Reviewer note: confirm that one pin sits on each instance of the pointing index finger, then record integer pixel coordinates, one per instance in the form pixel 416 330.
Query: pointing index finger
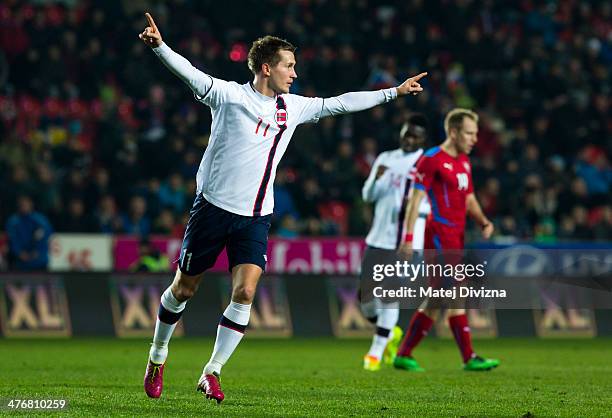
pixel 151 22
pixel 418 77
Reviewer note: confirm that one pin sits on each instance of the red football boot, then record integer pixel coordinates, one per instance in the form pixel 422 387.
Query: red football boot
pixel 154 379
pixel 210 387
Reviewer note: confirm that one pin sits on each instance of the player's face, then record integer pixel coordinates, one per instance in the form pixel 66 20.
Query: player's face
pixel 412 137
pixel 466 137
pixel 283 73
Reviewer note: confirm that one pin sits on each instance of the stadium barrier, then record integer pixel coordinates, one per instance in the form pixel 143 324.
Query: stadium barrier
pixel 125 305
pixel 310 289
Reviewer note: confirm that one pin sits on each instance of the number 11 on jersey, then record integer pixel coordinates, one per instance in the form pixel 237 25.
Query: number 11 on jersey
pixel 259 124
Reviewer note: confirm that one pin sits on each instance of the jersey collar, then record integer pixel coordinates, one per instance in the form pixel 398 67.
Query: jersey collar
pixel 262 96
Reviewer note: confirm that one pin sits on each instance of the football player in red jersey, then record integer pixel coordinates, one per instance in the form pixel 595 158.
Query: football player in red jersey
pixel 444 174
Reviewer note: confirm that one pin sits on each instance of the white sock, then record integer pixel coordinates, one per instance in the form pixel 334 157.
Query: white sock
pixel 388 315
pixel 227 338
pixel 163 331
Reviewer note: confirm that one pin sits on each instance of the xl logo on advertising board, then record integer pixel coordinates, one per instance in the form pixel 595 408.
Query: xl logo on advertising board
pixel 135 302
pixel 270 315
pixel 345 311
pixel 34 306
pixel 555 321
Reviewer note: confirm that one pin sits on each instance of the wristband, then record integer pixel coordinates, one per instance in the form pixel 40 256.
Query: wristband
pixel 408 238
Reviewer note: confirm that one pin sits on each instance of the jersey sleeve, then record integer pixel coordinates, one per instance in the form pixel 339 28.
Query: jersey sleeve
pixel 305 109
pixel 356 101
pixel 219 92
pixel 373 187
pixel 207 89
pixel 425 172
pixel 311 109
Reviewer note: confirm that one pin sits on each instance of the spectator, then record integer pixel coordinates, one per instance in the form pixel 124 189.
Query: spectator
pixel 152 196
pixel 106 216
pixel 489 196
pixel 581 227
pixel 49 196
pixel 73 115
pixel 150 259
pixel 21 183
pixel 76 218
pixel 172 193
pixel 28 235
pixel 283 201
pixel 136 221
pixel 310 198
pixel 366 157
pixel 545 231
pixel 576 195
pixel 100 186
pixel 567 229
pixel 593 168
pixel 603 231
pixel 288 227
pixel 165 223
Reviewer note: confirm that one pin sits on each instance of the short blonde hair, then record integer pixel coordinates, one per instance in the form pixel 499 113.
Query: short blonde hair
pixel 454 118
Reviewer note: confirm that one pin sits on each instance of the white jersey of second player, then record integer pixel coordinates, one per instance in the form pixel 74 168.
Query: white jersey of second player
pixel 250 133
pixel 389 193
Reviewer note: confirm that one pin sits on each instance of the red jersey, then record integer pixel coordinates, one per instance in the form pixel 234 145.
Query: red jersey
pixel 447 182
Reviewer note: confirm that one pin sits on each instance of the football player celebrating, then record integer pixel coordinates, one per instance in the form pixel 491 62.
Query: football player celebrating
pixel 251 129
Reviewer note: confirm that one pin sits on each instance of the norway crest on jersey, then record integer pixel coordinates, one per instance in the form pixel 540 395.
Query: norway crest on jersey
pixel 281 116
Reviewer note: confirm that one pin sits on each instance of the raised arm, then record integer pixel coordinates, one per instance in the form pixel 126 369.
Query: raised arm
pixel 198 81
pixel 362 100
pixel 372 187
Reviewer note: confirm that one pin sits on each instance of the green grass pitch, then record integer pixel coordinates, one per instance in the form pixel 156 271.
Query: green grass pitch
pixel 312 377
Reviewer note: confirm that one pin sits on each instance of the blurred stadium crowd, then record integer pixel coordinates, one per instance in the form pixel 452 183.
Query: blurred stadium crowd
pixel 103 138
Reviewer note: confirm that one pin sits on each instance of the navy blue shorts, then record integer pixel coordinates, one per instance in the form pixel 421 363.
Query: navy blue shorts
pixel 211 228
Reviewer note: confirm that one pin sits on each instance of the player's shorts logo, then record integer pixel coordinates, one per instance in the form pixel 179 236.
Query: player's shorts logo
pixel 281 116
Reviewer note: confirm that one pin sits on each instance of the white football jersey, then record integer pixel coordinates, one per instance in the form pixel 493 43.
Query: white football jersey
pixel 250 133
pixel 389 193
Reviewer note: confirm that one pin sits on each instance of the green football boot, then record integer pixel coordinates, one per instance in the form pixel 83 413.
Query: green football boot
pixel 407 363
pixel 391 348
pixel 479 364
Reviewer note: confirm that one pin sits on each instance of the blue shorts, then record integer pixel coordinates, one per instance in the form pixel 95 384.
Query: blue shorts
pixel 211 228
